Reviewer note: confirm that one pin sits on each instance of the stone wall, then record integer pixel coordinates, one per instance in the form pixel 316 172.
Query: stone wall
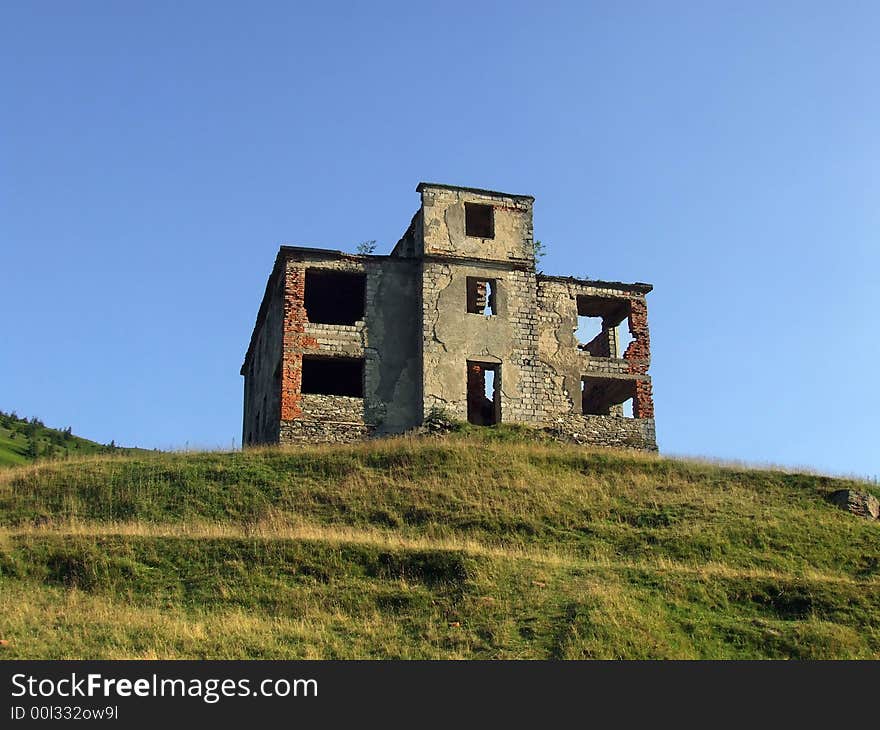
pixel 632 433
pixel 327 419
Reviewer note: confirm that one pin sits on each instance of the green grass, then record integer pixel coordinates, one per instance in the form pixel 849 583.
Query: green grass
pixel 480 544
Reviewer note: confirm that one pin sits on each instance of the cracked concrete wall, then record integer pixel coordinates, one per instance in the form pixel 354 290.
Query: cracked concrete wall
pixel 386 338
pixel 452 336
pixel 443 221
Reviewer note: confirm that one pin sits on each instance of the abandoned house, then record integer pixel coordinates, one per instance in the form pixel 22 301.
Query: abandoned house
pixel 455 321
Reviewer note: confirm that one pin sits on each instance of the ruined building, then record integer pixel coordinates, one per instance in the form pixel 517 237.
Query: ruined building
pixel 455 322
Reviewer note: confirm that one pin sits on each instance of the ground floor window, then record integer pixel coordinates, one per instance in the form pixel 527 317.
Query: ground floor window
pixel 333 375
pixel 607 396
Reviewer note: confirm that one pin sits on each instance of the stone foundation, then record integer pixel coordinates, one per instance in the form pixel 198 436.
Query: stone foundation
pixel 335 419
pixel 631 433
pixel 322 432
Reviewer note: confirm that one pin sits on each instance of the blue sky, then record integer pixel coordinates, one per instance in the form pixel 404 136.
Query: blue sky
pixel 153 155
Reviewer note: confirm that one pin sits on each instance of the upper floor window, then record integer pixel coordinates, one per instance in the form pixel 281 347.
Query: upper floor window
pixel 334 297
pixel 481 297
pixel 599 329
pixel 479 220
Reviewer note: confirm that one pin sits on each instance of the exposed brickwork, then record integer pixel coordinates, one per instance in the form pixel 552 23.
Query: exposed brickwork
pixel 425 317
pixel 296 342
pixel 638 352
pixel 643 407
pixel 638 358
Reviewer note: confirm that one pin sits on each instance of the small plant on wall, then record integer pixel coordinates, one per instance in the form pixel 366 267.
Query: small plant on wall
pixel 540 251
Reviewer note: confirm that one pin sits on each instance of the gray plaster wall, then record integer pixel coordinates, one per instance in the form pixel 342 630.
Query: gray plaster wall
pixel 261 370
pixel 394 324
pixel 443 225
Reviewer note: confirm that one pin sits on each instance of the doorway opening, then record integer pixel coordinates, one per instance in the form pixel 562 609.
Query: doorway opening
pixel 483 393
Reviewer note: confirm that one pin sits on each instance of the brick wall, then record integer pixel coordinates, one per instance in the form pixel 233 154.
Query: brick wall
pixel 638 358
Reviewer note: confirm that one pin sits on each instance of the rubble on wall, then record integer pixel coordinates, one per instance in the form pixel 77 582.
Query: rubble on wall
pixel 632 433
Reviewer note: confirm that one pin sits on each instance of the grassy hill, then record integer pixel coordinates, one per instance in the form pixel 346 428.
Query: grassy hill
pixel 25 440
pixel 477 545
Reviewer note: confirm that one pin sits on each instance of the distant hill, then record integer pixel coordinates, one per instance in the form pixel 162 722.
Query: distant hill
pixel 482 544
pixel 24 440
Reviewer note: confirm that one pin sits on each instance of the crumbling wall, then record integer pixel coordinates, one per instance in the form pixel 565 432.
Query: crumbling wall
pixel 566 362
pixel 295 340
pixel 385 339
pixel 602 345
pixel 617 431
pixel 411 243
pixel 638 358
pixel 563 363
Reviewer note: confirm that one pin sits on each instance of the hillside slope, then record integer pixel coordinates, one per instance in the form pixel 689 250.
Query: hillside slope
pixel 467 546
pixel 25 440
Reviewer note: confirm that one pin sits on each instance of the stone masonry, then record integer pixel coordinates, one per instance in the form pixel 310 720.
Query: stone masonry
pixel 456 322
